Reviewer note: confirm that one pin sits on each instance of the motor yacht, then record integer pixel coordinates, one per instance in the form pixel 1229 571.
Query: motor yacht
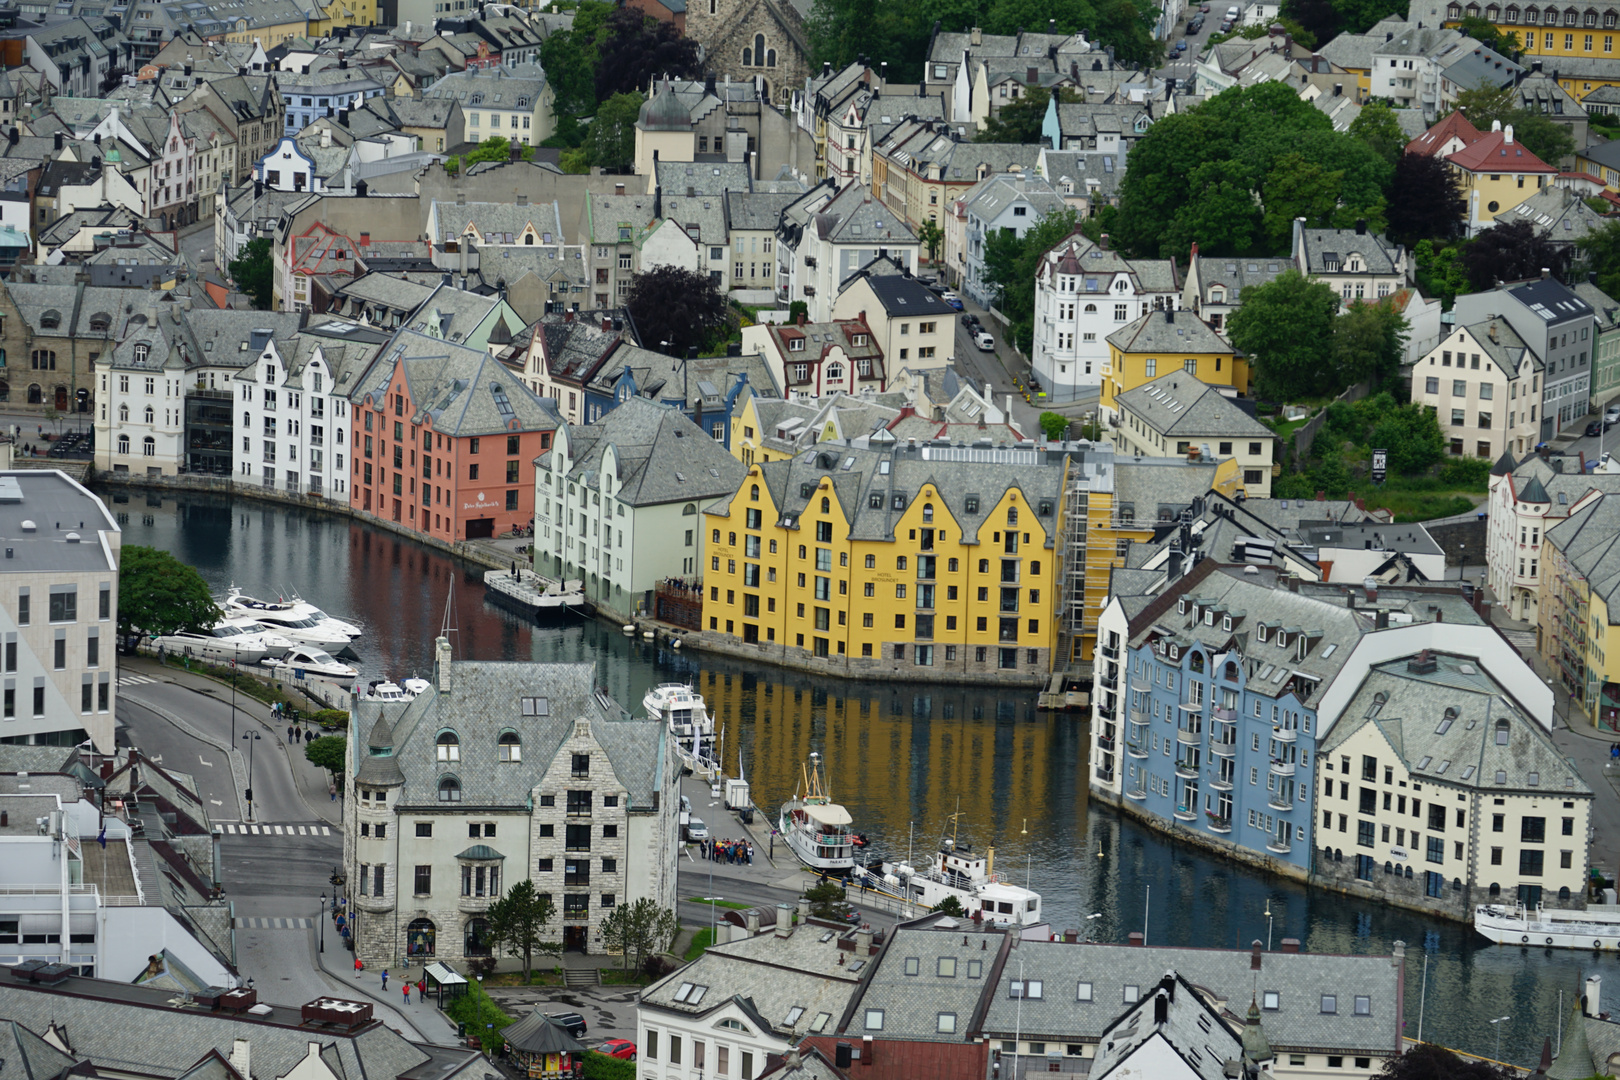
pixel 313 663
pixel 242 640
pixel 816 828
pixel 295 619
pixel 400 693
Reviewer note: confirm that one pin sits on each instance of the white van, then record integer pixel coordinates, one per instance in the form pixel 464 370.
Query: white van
pixel 984 341
pixel 1234 13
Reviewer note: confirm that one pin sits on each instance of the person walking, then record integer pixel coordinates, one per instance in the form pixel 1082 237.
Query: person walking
pixel 406 988
pixel 289 733
pixel 357 966
pixel 385 978
pixel 421 990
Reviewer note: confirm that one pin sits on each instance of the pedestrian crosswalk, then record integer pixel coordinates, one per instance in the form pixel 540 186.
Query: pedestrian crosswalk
pixel 1523 640
pixel 238 829
pixel 265 922
pixel 135 680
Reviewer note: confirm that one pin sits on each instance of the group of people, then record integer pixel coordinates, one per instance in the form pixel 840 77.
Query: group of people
pixel 737 852
pixel 405 987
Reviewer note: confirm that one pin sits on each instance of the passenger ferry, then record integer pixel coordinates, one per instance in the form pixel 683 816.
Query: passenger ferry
pixel 957 871
pixel 1596 927
pixel 682 710
pixel 815 828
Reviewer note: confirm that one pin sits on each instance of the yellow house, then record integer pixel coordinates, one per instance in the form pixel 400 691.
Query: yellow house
pixel 1164 341
pixel 1497 173
pixel 1579 45
pixel 1601 160
pixel 887 561
pixel 1574 616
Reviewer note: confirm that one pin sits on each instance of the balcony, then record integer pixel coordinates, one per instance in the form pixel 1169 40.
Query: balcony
pixel 1220 824
pixel 1191 706
pixel 1193 736
pixel 1278 800
pixel 1186 768
pixel 1223 713
pixel 1108 683
pixel 1136 748
pixel 1140 717
pixel 1226 747
pixel 1282 768
pixel 1110 651
pixel 1140 687
pixel 1185 814
pixel 1139 794
pixel 1279 847
pixel 1284 734
pixel 1105 712
pixel 1105 775
pixel 1105 743
pixel 1221 783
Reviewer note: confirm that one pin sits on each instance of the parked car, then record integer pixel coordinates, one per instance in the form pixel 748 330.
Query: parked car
pixel 1611 413
pixel 1196 25
pixel 1179 47
pixel 696 830
pixel 623 1049
pixel 1234 13
pixel 1226 25
pixel 952 299
pixel 969 319
pixel 1595 428
pixel 574 1022
pixel 984 341
pixel 1203 9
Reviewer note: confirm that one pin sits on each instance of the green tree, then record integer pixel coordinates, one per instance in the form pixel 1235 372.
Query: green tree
pixel 639 930
pixel 1010 264
pixel 1485 105
pixel 253 271
pixel 1380 130
pixel 1054 425
pixel 1427 1061
pixel 518 922
pixel 569 61
pixel 1425 202
pixel 1440 273
pixel 633 49
pixel 1020 121
pixel 496 148
pixel 1283 326
pixel 1543 136
pixel 1410 433
pixel 1600 249
pixel 932 237
pixel 1298 188
pixel 1369 342
pixel 827 901
pixel 160 595
pixel 951 905
pixel 327 752
pixel 613 132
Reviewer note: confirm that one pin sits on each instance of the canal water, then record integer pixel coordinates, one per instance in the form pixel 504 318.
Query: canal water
pixel 903 759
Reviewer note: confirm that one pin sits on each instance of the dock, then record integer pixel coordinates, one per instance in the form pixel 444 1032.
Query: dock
pixel 534 595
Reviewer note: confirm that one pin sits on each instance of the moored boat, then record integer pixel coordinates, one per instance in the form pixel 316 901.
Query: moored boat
pixel 1595 927
pixel 238 639
pixel 295 619
pixel 815 828
pixel 958 872
pixel 388 690
pixel 691 728
pixel 537 597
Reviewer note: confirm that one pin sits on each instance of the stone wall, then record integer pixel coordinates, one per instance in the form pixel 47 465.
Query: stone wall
pixel 962 670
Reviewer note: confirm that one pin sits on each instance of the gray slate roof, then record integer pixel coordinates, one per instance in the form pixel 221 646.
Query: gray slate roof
pixel 663 456
pixel 1179 406
pixel 463 390
pixel 1161 332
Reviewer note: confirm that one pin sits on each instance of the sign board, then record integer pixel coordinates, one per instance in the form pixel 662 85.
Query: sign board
pixel 1380 459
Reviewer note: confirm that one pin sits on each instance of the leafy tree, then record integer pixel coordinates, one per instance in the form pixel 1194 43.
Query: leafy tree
pixel 327 752
pixel 1282 326
pixel 253 271
pixel 1054 425
pixel 1440 273
pixel 1377 127
pixel 951 905
pixel 1485 105
pixel 1328 18
pixel 1410 433
pixel 1369 342
pixel 1543 136
pixel 569 61
pixel 932 237
pixel 633 49
pixel 1425 202
pixel 1428 1061
pixel 496 148
pixel 160 595
pixel 1511 252
pixel 613 132
pixel 1487 35
pixel 1009 267
pixel 1297 188
pixel 639 930
pixel 681 307
pixel 1600 249
pixel 827 901
pixel 576 161
pixel 518 922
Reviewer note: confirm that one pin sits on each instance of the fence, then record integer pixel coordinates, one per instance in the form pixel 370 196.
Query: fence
pixel 1305 434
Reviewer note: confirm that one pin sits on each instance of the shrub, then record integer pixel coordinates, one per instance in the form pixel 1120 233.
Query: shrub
pixel 1465 472
pixel 483 1017
pixel 331 718
pixel 602 1067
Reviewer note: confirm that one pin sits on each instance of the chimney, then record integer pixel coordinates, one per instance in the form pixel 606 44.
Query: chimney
pixel 751 920
pixel 1361 226
pixel 1492 332
pixel 441 651
pixel 975 37
pixel 1290 945
pixel 867 1050
pixel 241 1057
pixel 607 324
pixel 568 315
pixel 843 1055
pixel 1071 936
pixel 1138 938
pixel 1338 89
pixel 1545 273
pixel 1254 956
pixel 1161 1008
pixel 1293 583
pixel 1507 135
pixel 784 920
pixel 804 909
pixel 801 318
pixel 1102 241
pixel 863 940
pixel 59 140
pixel 1051 26
pixel 1381 620
pixel 618 189
pixel 1594 995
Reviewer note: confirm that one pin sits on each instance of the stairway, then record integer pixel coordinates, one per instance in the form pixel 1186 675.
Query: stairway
pixel 580 976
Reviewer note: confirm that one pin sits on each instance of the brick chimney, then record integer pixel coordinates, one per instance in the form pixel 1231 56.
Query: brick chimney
pixel 1254 956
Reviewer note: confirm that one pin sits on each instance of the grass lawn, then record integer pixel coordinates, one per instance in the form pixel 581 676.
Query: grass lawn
pixel 700 942
pixel 1421 505
pixel 515 978
pixel 719 903
pixel 1285 428
pixel 621 977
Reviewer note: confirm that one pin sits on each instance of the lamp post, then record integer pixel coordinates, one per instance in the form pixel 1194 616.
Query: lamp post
pixel 250 737
pixel 712 900
pixel 1268 924
pixel 320 917
pixel 1497 1024
pixel 233 701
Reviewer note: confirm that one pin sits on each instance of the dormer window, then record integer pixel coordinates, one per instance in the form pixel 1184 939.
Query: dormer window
pixel 510 747
pixel 796 344
pixel 449 747
pixel 142 351
pixel 1263 632
pixel 449 789
pixel 860 339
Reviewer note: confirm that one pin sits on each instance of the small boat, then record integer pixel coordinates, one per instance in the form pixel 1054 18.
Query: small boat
pixel 958 872
pixel 387 690
pixel 314 663
pixel 816 828
pixel 242 640
pixel 292 618
pixel 684 713
pixel 1595 927
pixel 537 597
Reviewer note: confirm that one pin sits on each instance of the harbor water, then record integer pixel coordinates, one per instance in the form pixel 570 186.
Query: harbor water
pixel 903 759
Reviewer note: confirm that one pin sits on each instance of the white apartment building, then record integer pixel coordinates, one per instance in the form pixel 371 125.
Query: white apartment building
pixel 1083 293
pixel 826 236
pixel 1526 502
pixel 1484 384
pixel 58 612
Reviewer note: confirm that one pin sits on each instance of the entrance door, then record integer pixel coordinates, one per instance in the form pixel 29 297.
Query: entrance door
pixel 61 399
pixel 574 938
pixel 480 528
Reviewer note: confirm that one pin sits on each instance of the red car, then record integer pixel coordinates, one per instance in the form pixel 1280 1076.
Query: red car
pixel 618 1048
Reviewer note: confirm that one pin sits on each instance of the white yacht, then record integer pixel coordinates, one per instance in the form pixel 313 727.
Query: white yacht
pixel 958 872
pixel 1595 927
pixel 816 828
pixel 314 663
pixel 683 711
pixel 293 618
pixel 242 640
pixel 387 690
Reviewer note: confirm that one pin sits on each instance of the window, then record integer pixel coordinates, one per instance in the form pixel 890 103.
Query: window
pixel 424 881
pixel 449 789
pixel 1363 1005
pixel 874 1019
pixel 449 747
pixel 1030 989
pixel 1330 1003
pixel 424 828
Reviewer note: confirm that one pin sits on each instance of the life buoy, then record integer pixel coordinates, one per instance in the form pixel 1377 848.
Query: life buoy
pixel 1549 941
pixel 1524 939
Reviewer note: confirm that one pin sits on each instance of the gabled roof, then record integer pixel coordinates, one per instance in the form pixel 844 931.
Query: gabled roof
pixel 1495 153
pixel 1455 126
pixel 1161 332
pixel 662 456
pixel 1180 406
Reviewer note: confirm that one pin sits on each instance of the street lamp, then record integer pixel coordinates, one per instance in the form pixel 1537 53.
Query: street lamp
pixel 711 901
pixel 1497 1024
pixel 1268 924
pixel 233 700
pixel 320 917
pixel 250 737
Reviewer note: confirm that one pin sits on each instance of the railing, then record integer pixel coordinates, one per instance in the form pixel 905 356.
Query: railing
pixel 1190 736
pixel 1282 768
pixel 1110 651
pixel 1223 747
pixel 1140 717
pixel 1139 794
pixel 1106 775
pixel 1279 801
pixel 1185 814
pixel 1105 743
pixel 1286 734
pixel 1136 749
pixel 1220 824
pixel 1223 713
pixel 1186 768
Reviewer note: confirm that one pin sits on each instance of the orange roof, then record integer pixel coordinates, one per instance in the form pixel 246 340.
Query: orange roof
pixel 1454 125
pixel 1493 153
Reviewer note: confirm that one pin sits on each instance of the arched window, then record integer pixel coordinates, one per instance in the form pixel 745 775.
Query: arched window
pixel 123 413
pixel 5 390
pixel 835 372
pixel 421 938
pixel 449 789
pixel 1012 517
pixel 748 58
pixel 928 513
pixel 477 941
pixel 1231 673
pixel 149 414
pixel 511 747
pixel 1091 309
pixel 1408 873
pixel 801 551
pixel 449 746
pixel 149 446
pixel 753 493
pixel 1196 662
pixel 759 49
pixel 34 395
pixel 123 444
pixel 826 505
pixel 142 351
pixel 770 58
pixel 689 510
pixel 1563 894
pixel 1217 295
pixel 528 239
pixel 1495 890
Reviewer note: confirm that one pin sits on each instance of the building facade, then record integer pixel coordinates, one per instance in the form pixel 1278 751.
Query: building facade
pixel 1484 385
pixel 1557 326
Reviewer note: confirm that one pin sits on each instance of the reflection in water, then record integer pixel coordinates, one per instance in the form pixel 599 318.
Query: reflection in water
pixel 902 759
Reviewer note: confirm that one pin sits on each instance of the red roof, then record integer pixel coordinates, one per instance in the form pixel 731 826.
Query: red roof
pixel 1493 153
pixel 897 1059
pixel 1432 140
